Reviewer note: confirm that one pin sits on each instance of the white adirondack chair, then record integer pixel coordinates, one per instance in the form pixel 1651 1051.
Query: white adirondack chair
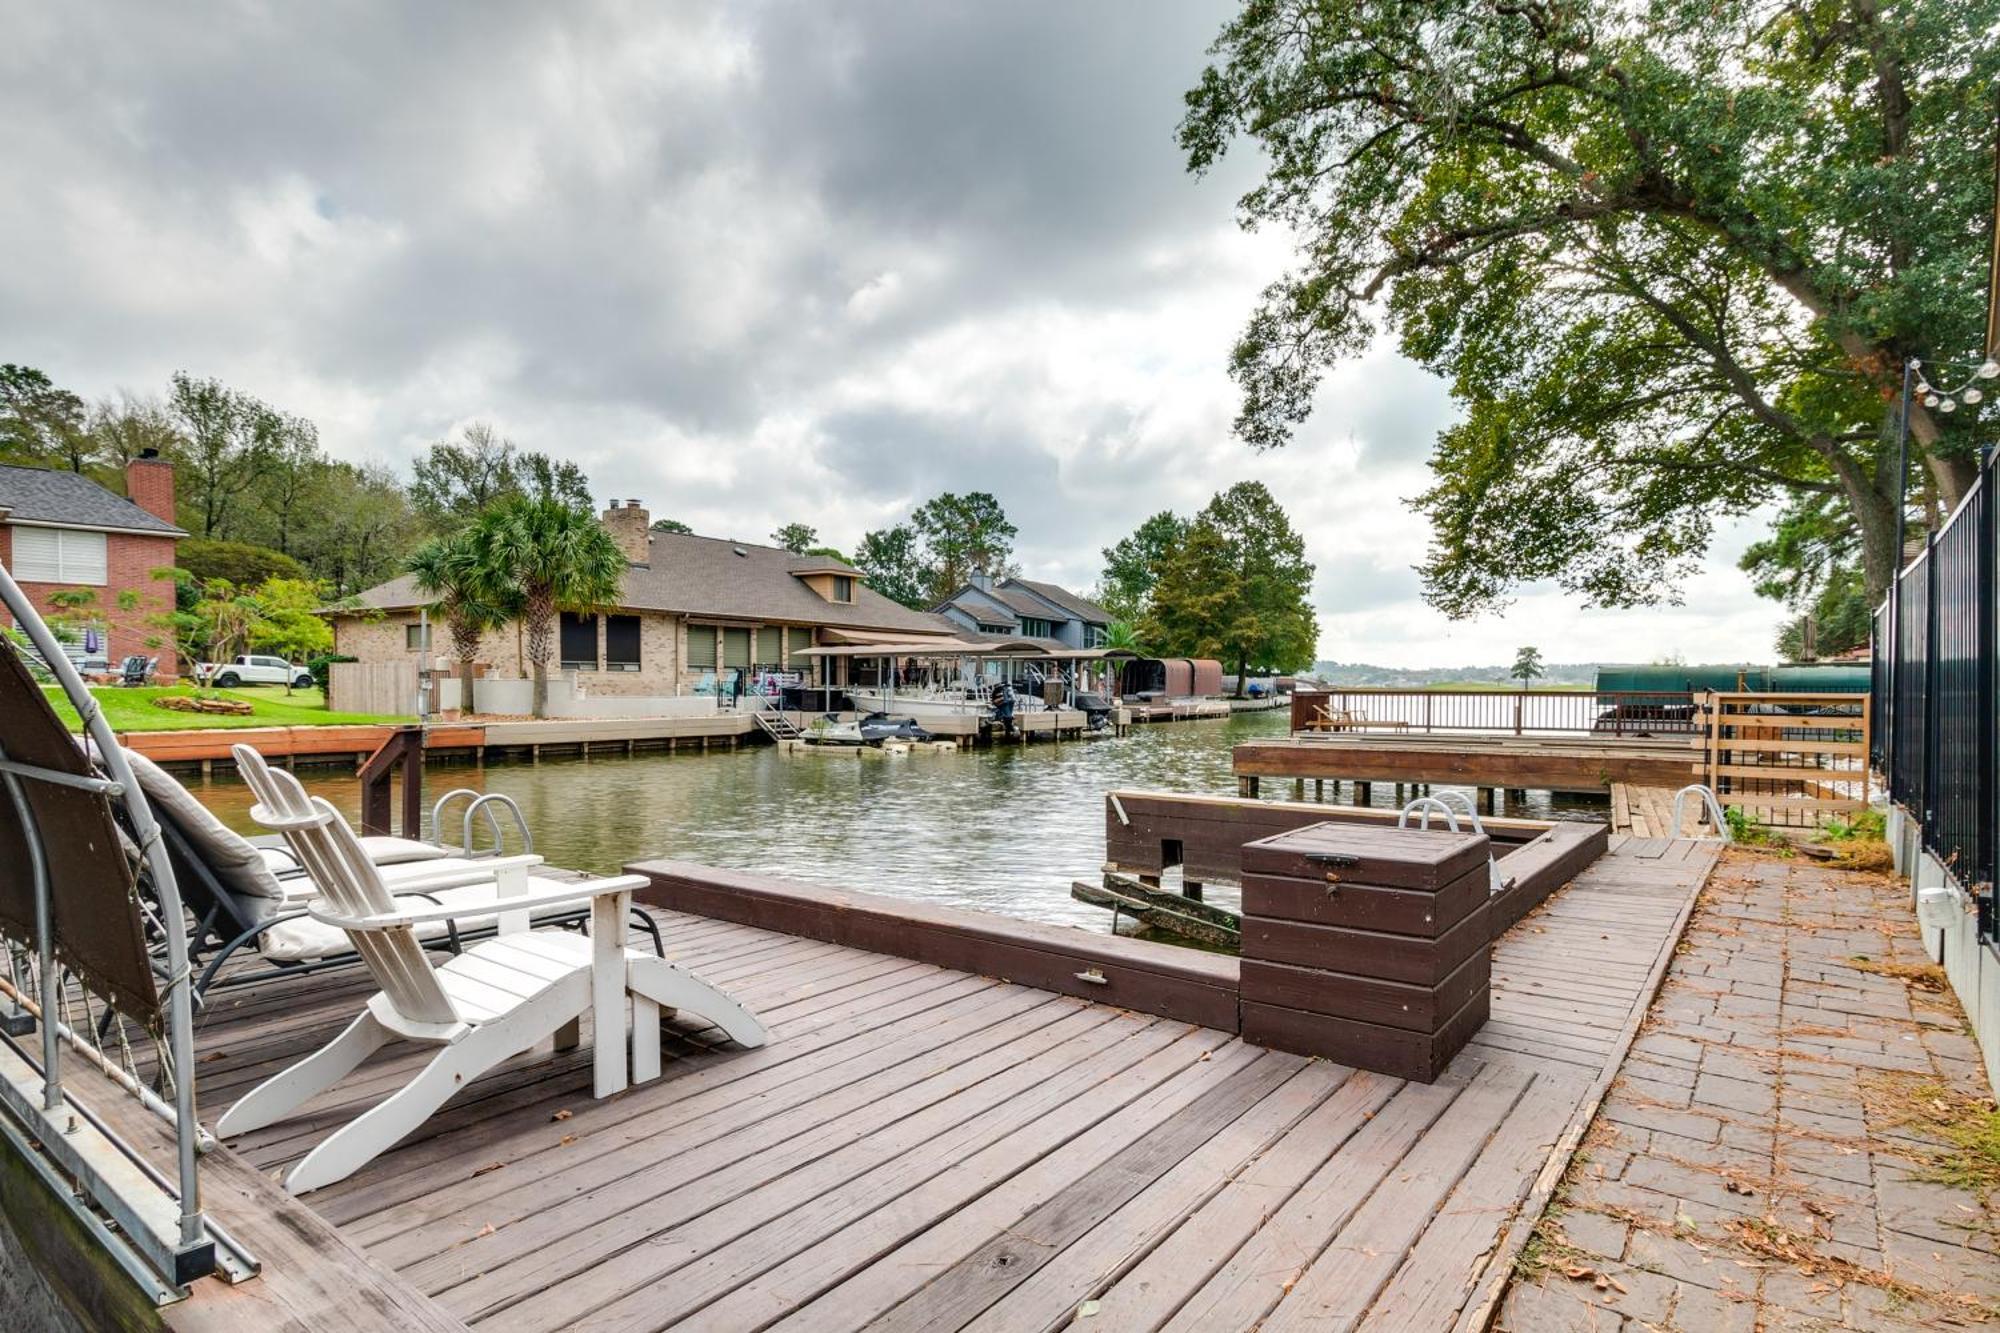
pixel 494 1001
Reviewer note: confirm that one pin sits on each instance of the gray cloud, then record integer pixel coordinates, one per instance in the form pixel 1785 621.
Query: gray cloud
pixel 752 263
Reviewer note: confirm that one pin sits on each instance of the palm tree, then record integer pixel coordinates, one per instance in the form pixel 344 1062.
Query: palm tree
pixel 447 569
pixel 1122 635
pixel 543 556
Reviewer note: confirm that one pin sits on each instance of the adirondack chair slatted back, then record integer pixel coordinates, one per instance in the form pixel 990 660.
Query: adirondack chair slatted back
pixel 333 856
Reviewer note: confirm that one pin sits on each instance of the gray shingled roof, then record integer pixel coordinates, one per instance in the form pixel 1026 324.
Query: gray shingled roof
pixel 705 576
pixel 980 605
pixel 1023 602
pixel 1080 607
pixel 44 495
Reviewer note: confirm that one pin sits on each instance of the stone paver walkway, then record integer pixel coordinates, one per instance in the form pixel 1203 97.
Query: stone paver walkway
pixel 1762 1161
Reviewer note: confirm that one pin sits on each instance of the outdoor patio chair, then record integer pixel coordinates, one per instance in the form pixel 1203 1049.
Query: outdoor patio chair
pixel 247 897
pixel 137 669
pixel 496 1000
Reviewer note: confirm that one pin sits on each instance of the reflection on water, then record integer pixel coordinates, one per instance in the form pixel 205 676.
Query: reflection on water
pixel 1004 829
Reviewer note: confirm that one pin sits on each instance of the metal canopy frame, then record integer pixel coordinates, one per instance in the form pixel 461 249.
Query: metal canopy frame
pixel 159 1233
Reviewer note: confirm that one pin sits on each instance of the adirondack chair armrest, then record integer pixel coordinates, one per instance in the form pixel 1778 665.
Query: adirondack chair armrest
pixel 556 896
pixel 461 877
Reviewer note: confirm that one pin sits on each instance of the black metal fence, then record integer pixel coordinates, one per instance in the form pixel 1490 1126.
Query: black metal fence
pixel 1933 693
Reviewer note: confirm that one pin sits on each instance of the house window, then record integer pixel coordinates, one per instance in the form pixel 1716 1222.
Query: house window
pixel 579 642
pixel 58 555
pixel 736 647
pixel 1094 636
pixel 843 588
pixel 801 639
pixel 1037 629
pixel 621 643
pixel 417 638
pixel 701 648
pixel 769 649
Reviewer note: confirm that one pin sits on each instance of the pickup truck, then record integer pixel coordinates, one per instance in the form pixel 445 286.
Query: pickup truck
pixel 251 669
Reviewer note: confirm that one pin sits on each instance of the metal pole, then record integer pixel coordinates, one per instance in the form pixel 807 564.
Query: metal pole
pixel 45 939
pixel 1903 465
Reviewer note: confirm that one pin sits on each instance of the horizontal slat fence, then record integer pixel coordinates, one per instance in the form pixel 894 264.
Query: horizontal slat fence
pixel 1793 760
pixel 382 688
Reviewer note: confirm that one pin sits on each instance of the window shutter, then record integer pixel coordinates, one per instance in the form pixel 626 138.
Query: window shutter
pixel 736 647
pixel 38 555
pixel 701 648
pixel 769 640
pixel 801 638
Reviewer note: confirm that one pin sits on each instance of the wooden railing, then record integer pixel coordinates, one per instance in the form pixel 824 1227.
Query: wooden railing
pixel 404 748
pixel 1506 712
pixel 1787 759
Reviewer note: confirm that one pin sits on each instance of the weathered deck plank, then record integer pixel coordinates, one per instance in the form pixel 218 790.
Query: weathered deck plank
pixel 923 1147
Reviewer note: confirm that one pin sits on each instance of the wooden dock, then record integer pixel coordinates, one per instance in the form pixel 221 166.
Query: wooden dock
pixel 1539 763
pixel 1648 812
pixel 930 1147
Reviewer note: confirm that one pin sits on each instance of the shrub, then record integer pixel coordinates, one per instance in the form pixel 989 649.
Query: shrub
pixel 321 665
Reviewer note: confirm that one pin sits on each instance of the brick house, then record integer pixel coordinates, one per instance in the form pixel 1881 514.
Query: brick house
pixel 62 532
pixel 692 609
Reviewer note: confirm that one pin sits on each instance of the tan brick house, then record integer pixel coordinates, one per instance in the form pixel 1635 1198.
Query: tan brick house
pixel 692 607
pixel 62 532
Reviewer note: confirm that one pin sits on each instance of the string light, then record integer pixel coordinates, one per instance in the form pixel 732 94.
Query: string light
pixel 1949 400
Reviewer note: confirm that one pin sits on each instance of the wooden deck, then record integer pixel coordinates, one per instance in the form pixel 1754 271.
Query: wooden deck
pixel 1648 812
pixel 920 1147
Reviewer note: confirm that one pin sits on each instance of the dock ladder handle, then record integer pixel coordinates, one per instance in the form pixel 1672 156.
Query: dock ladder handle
pixel 438 809
pixel 1714 808
pixel 485 805
pixel 1494 883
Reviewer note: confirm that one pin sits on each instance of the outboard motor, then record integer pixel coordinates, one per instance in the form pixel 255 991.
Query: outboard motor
pixel 1096 710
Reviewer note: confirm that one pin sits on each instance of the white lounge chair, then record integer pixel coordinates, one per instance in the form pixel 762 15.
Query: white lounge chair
pixel 492 1002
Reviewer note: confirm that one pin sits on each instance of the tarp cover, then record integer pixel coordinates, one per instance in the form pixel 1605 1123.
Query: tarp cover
pixel 98 933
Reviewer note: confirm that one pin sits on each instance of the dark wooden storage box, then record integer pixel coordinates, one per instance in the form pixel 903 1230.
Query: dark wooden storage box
pixel 1367 945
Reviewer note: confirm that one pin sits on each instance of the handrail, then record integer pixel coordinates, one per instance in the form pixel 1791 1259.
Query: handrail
pixel 486 803
pixel 1425 803
pixel 436 824
pixel 1714 808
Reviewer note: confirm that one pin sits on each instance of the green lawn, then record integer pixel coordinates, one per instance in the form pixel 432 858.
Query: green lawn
pixel 133 710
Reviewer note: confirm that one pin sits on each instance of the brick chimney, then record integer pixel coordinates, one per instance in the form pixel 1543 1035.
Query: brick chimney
pixel 149 483
pixel 630 526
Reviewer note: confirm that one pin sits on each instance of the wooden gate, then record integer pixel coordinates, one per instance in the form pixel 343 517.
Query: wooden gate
pixel 1787 759
pixel 386 689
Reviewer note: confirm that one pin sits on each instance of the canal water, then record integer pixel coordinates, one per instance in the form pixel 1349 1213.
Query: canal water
pixel 1005 829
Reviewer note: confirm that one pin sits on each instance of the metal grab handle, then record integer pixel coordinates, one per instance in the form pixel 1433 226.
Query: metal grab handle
pixel 1494 883
pixel 1708 799
pixel 485 805
pixel 437 810
pixel 1427 804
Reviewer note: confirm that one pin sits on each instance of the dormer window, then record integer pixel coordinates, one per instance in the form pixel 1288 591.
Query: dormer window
pixel 843 587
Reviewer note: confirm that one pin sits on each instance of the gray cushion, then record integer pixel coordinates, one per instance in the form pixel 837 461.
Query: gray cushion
pixel 239 866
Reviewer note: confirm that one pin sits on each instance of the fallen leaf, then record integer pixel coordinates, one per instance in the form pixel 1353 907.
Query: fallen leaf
pixel 1087 1309
pixel 565 1140
pixel 490 1166
pixel 1577 1272
pixel 561 1115
pixel 486 1230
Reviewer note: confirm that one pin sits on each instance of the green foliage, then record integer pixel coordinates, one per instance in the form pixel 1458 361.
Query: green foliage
pixel 1869 825
pixel 288 623
pixel 891 560
pixel 228 437
pixel 241 563
pixel 321 666
pixel 1123 636
pixel 448 569
pixel 1132 565
pixel 1669 259
pixel 1746 829
pixel 457 481
pixel 1237 588
pixel 963 535
pixel 41 425
pixel 671 525
pixel 798 538
pixel 542 556
pixel 1527 665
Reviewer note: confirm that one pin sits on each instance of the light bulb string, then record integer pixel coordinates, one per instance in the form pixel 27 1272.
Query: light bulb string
pixel 1948 400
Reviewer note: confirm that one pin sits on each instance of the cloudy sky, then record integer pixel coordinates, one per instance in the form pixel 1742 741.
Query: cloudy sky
pixel 750 264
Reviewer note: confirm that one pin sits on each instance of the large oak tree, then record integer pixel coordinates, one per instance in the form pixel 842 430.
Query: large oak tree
pixel 1670 257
